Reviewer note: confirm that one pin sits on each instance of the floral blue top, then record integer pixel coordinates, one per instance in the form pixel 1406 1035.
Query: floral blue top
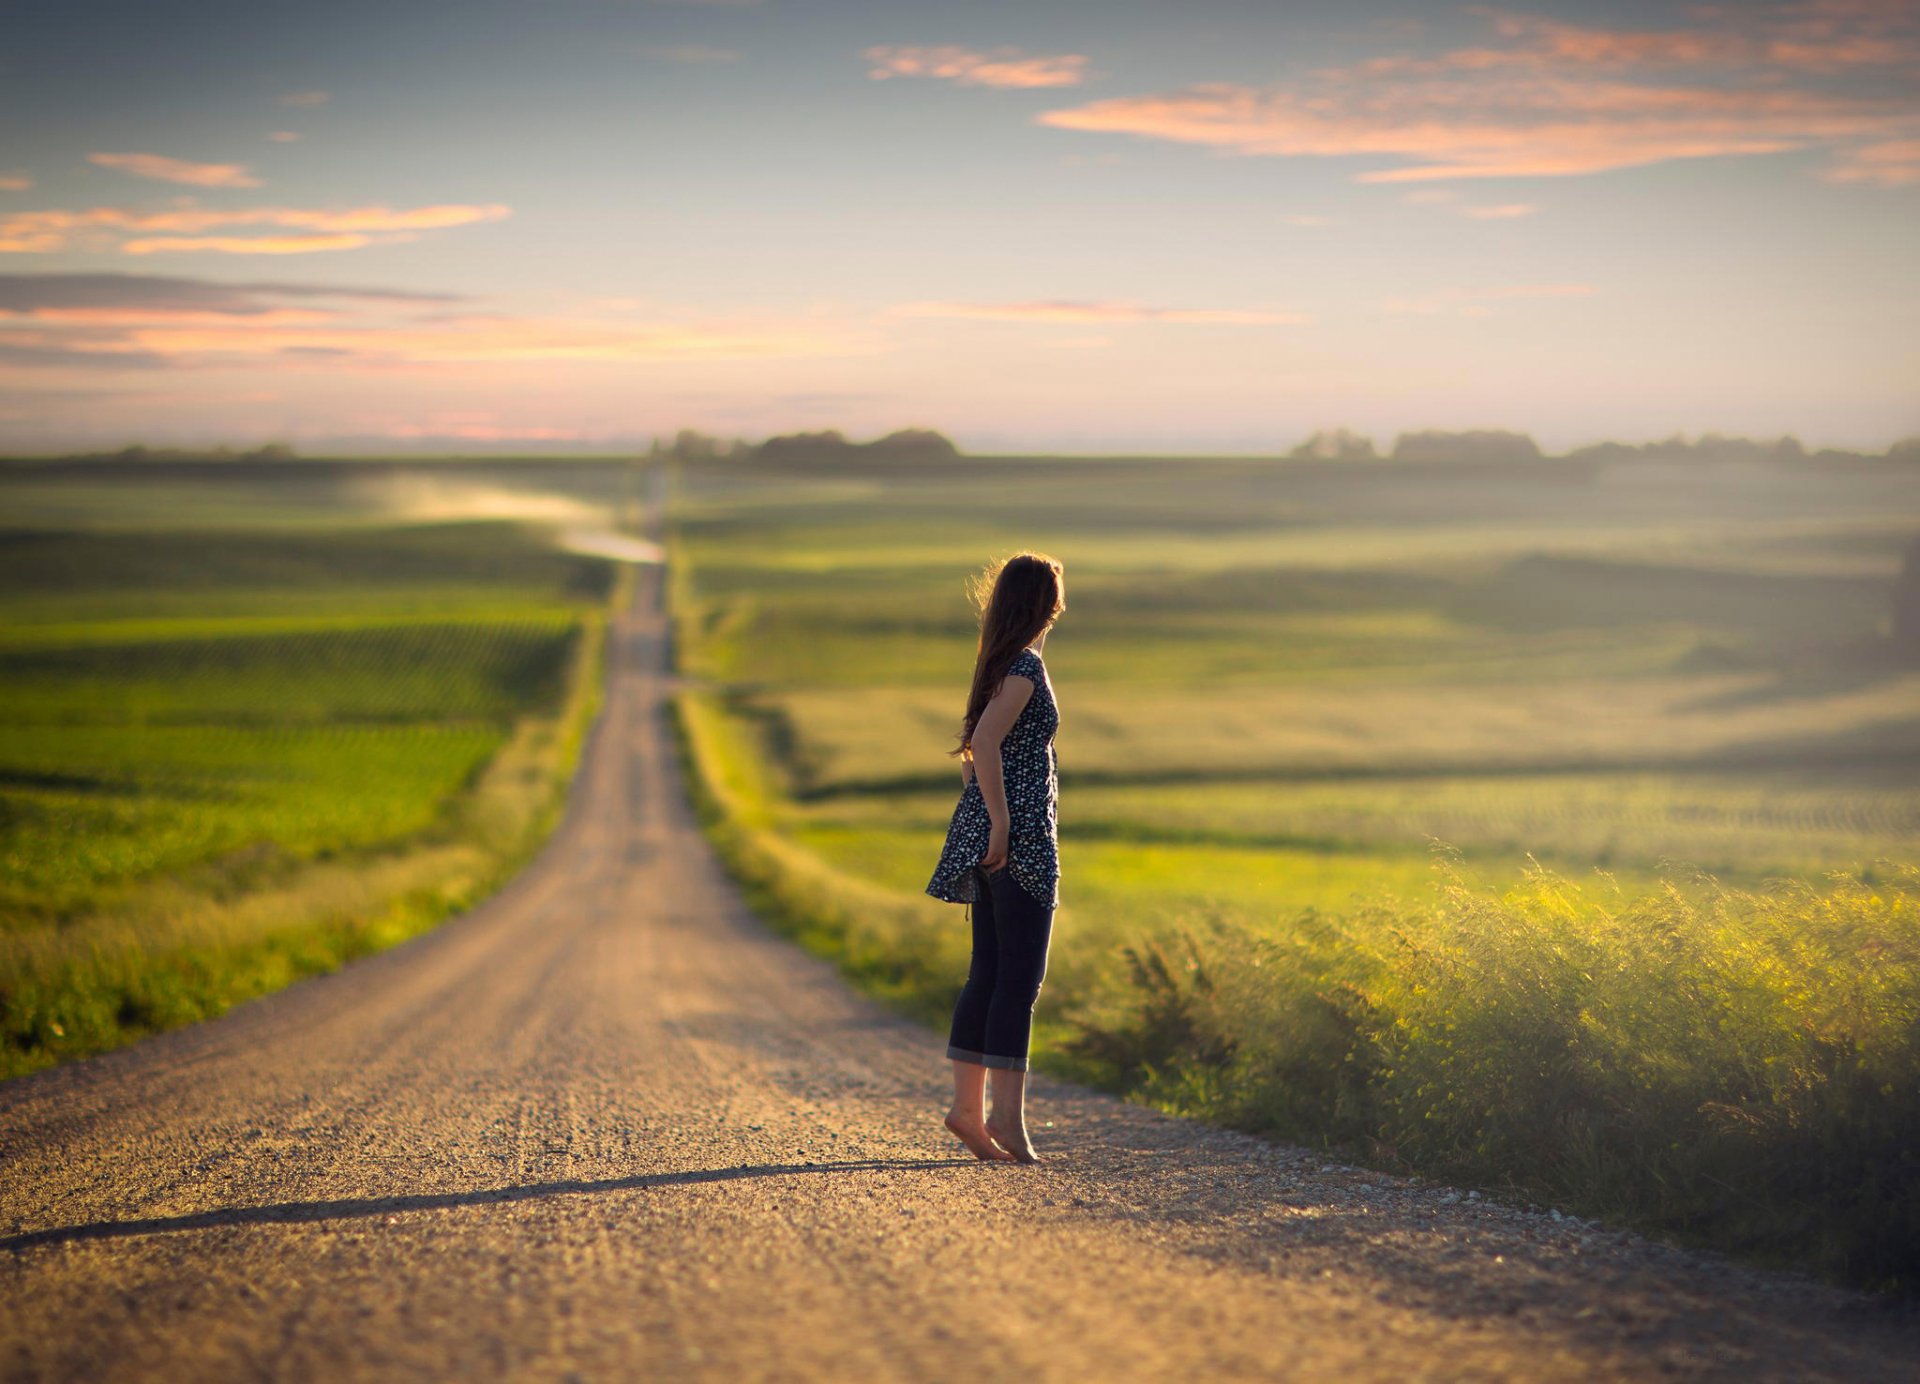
pixel 1032 778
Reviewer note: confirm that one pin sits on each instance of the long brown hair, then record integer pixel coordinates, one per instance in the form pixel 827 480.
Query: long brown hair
pixel 1019 597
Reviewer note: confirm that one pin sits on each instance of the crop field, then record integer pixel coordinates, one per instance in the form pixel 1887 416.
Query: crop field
pixel 1352 754
pixel 1591 700
pixel 239 743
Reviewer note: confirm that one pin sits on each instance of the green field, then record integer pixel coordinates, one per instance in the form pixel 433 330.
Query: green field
pixel 255 720
pixel 1547 827
pixel 1355 752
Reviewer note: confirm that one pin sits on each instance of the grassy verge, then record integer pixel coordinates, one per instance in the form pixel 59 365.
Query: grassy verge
pixel 879 938
pixel 1282 688
pixel 190 945
pixel 1738 1068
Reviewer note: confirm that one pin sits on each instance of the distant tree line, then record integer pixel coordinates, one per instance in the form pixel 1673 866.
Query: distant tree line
pixel 1327 444
pixel 690 445
pixel 271 451
pixel 1339 444
pixel 907 444
pixel 1430 445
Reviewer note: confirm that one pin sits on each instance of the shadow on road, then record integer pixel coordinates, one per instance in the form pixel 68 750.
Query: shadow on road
pixel 300 1212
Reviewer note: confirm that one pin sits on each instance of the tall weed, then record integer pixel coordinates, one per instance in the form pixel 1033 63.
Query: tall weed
pixel 1731 1066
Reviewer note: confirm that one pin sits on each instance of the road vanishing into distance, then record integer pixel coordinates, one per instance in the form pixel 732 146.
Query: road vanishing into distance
pixel 607 1127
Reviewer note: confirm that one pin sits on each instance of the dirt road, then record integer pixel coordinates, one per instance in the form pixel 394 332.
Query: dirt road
pixel 606 1127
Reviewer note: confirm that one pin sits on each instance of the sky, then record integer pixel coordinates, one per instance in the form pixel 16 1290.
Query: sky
pixel 1053 225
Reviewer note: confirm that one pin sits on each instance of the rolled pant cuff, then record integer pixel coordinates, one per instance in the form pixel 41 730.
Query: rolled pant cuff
pixel 982 1059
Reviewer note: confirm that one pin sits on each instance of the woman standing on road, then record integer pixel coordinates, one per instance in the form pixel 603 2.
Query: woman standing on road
pixel 1002 852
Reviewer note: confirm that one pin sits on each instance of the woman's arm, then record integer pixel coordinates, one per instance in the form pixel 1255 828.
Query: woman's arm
pixel 998 718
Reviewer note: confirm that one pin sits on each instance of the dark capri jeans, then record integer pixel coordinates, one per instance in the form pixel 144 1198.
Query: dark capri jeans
pixel 993 1020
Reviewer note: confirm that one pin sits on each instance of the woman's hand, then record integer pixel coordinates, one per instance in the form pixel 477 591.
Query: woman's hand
pixel 996 855
pixel 1003 709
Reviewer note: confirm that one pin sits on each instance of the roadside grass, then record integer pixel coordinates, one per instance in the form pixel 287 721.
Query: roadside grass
pixel 1731 1067
pixel 1511 829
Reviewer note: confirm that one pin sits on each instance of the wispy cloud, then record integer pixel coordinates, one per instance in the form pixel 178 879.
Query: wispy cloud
pixel 246 244
pixel 480 340
pixel 36 294
pixel 1080 313
pixel 167 170
pixel 1500 211
pixel 15 182
pixel 306 98
pixel 283 137
pixel 1891 163
pixel 153 232
pixel 24 352
pixel 132 321
pixel 1003 67
pixel 1818 36
pixel 1563 100
pixel 687 54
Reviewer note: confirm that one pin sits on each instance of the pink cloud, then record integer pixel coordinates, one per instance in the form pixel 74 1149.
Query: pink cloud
pixel 306 98
pixel 1561 100
pixel 167 170
pixel 165 316
pixel 1004 67
pixel 15 182
pixel 246 244
pixel 477 341
pixel 1502 211
pixel 1812 37
pixel 131 231
pixel 1892 163
pixel 140 321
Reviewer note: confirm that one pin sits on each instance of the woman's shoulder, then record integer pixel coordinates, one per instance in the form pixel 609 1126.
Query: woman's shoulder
pixel 1027 664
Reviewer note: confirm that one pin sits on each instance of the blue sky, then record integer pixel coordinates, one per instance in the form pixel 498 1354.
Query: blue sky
pixel 1133 227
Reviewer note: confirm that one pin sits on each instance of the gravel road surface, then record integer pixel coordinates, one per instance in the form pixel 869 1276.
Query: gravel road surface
pixel 607 1127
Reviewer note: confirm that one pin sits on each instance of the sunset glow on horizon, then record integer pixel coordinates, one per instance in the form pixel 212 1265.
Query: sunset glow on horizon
pixel 1055 226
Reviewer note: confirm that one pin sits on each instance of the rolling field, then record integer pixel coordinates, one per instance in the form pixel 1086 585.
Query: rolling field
pixel 1592 701
pixel 1358 759
pixel 271 728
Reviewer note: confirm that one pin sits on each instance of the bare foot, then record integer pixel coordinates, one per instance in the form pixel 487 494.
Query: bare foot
pixel 973 1133
pixel 1019 1147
